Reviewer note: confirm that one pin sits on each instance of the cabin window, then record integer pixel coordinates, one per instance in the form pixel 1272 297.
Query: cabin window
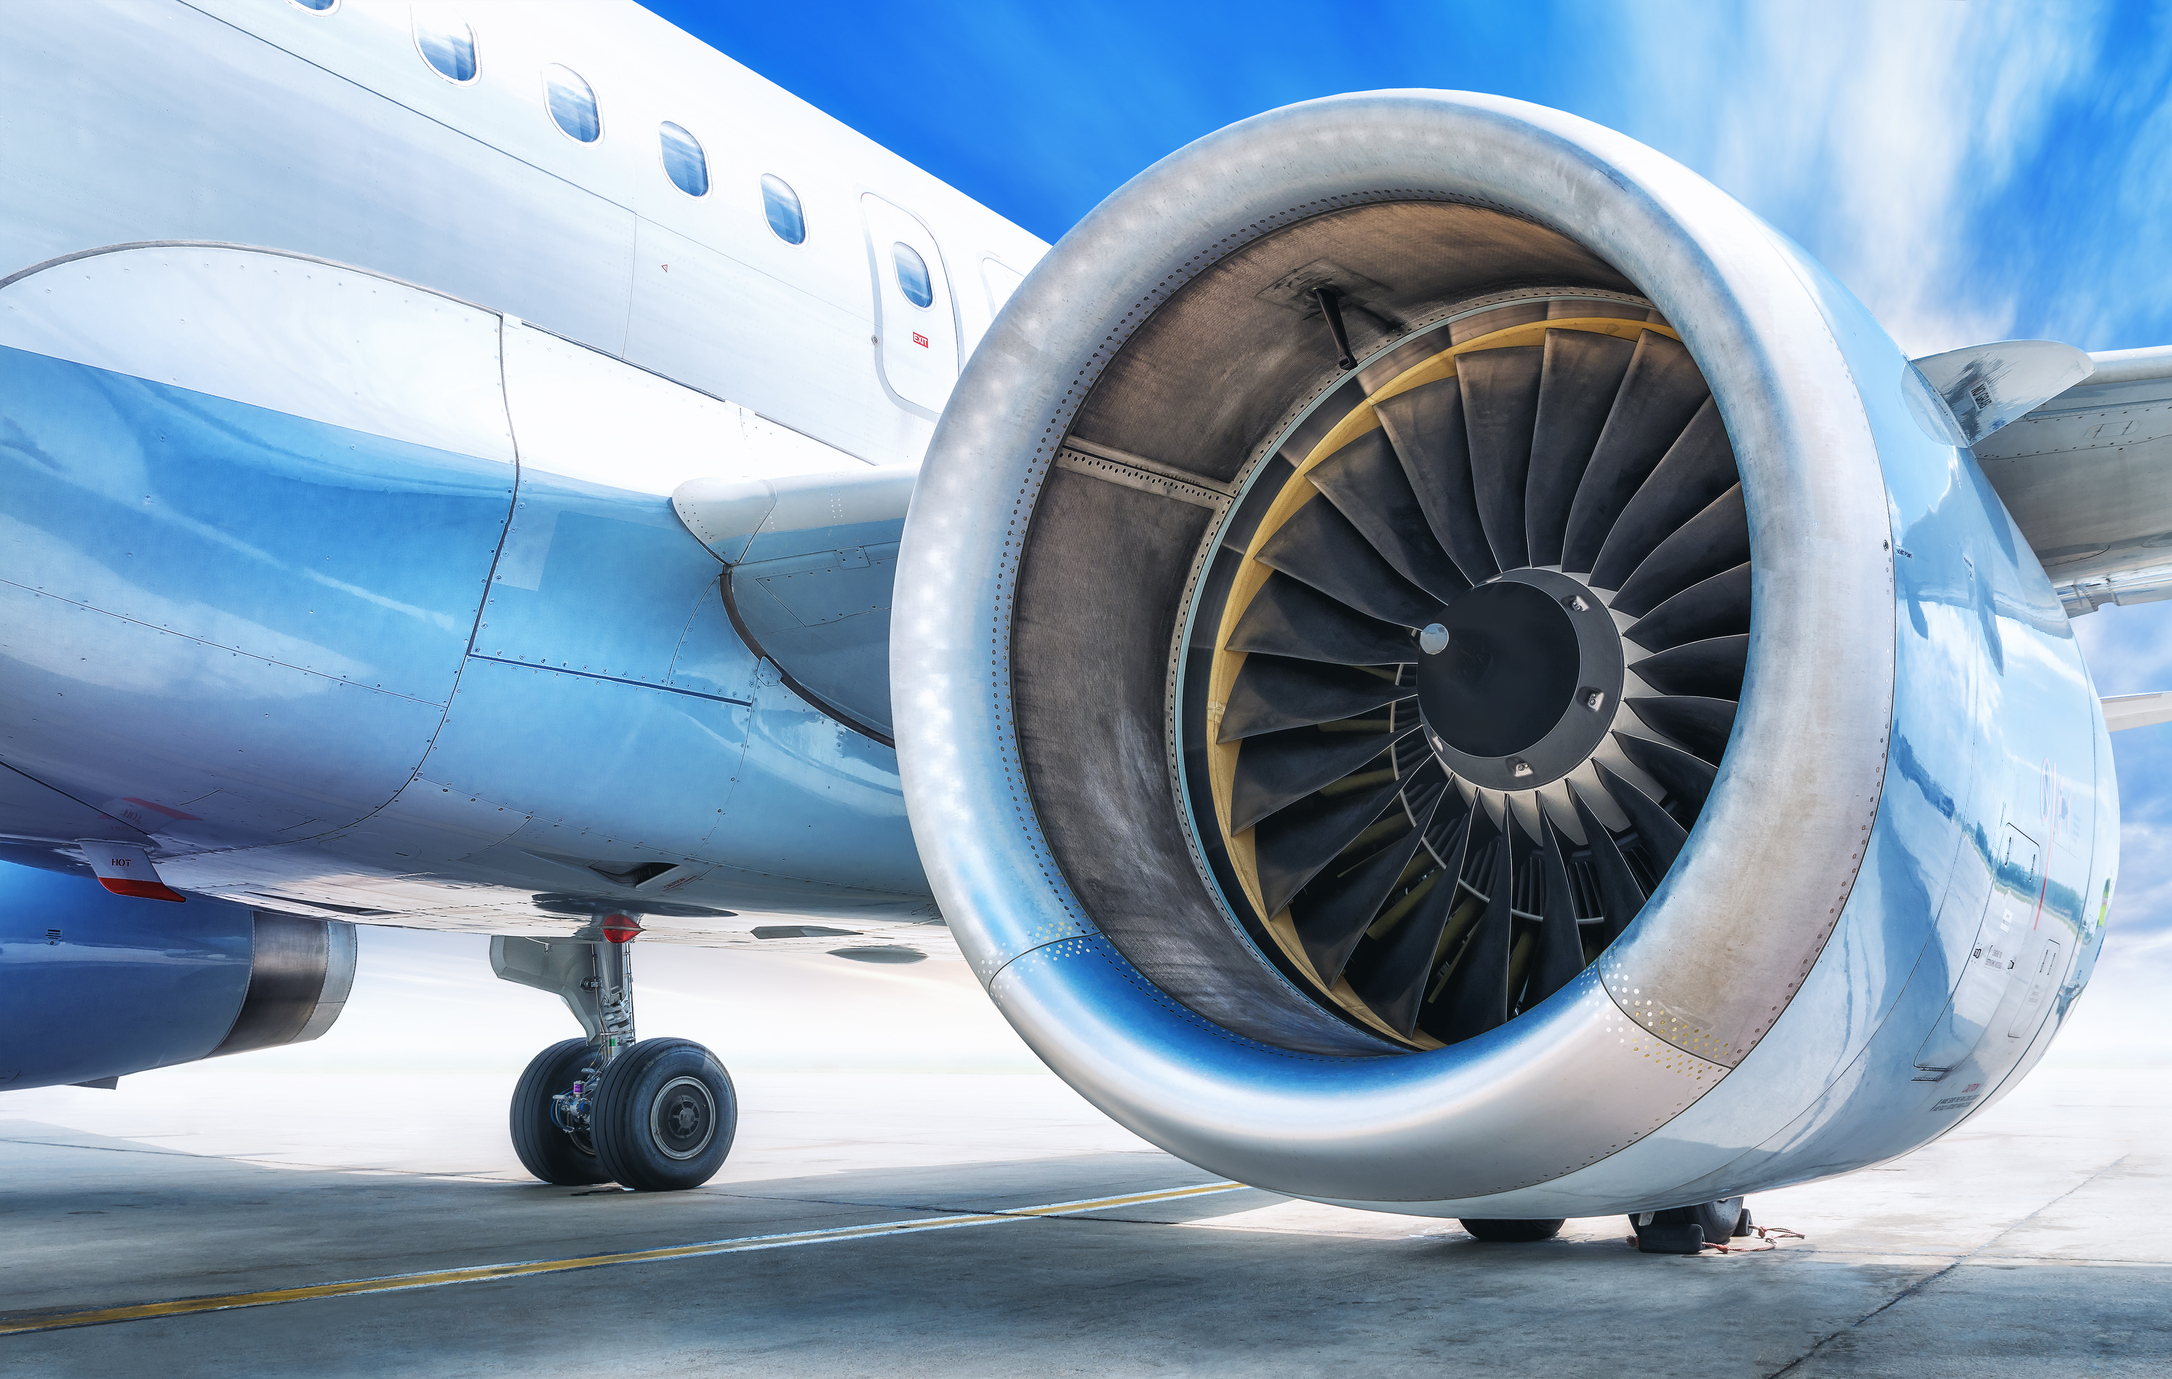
pixel 912 274
pixel 572 103
pixel 781 204
pixel 446 43
pixel 319 6
pixel 687 165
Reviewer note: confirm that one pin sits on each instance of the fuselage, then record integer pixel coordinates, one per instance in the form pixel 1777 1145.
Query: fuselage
pixel 340 565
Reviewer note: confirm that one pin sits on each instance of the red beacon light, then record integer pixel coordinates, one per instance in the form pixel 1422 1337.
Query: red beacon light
pixel 621 928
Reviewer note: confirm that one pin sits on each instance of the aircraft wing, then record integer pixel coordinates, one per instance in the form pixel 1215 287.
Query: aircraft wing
pixel 2088 476
pixel 2137 710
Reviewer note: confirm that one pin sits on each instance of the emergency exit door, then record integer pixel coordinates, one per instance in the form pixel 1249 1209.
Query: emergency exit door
pixel 915 320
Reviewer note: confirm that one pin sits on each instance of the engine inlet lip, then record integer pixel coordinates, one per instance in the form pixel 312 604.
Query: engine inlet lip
pixel 1562 624
pixel 1538 1117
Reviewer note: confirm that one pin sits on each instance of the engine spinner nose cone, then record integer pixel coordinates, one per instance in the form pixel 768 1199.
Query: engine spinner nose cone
pixel 1525 687
pixel 1505 671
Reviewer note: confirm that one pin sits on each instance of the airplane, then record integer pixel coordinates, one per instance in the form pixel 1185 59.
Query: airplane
pixel 1427 658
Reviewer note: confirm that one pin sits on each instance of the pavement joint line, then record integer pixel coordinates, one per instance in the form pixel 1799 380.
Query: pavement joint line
pixel 1936 1274
pixel 438 1278
pixel 103 1148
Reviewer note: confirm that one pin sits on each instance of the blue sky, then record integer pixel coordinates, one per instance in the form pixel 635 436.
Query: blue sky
pixel 1974 172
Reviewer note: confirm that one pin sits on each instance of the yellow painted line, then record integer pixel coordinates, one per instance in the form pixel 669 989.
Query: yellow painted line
pixel 392 1283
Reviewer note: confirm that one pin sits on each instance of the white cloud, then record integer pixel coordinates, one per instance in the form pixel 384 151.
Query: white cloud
pixel 1875 134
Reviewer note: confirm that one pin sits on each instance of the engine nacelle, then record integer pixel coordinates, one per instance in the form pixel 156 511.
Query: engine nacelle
pixel 1437 667
pixel 100 986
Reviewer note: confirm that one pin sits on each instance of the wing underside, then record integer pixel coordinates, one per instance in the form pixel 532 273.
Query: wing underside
pixel 2087 476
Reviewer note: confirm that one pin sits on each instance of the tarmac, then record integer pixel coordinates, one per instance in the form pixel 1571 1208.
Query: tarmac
pixel 930 1226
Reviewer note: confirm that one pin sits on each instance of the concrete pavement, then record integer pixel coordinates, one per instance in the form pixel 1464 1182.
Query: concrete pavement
pixel 2029 1243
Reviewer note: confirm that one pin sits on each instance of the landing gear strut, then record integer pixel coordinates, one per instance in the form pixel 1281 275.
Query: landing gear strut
pixel 655 1115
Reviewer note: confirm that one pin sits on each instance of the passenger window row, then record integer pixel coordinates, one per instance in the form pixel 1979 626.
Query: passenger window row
pixel 447 43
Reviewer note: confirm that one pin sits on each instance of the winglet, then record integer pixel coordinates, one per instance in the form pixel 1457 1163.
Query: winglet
pixel 125 869
pixel 1983 387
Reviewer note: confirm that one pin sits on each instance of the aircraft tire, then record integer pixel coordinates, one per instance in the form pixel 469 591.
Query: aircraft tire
pixel 1512 1232
pixel 664 1116
pixel 1718 1222
pixel 1722 1220
pixel 545 1150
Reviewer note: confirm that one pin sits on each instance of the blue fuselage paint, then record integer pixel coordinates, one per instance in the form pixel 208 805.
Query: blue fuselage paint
pixel 265 630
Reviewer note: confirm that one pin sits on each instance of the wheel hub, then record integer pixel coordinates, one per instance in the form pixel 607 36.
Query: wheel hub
pixel 682 1118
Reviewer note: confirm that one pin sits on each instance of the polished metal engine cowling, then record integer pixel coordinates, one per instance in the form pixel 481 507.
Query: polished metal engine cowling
pixel 1435 667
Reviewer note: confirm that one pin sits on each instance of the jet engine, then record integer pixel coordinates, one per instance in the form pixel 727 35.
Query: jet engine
pixel 140 984
pixel 1441 664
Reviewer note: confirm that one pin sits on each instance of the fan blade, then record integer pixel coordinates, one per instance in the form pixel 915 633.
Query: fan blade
pixel 1366 483
pixel 1714 607
pixel 1561 946
pixel 1400 964
pixel 1319 546
pixel 1332 913
pixel 1659 394
pixel 1714 540
pixel 1291 845
pixel 1701 725
pixel 1619 894
pixel 1476 997
pixel 1685 777
pixel 1276 770
pixel 1274 692
pixel 1663 837
pixel 1697 469
pixel 1426 427
pixel 1710 669
pixel 1576 391
pixel 1500 407
pixel 1288 617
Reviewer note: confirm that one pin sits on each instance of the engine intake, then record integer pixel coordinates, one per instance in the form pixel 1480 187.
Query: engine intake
pixel 1349 811
pixel 1421 782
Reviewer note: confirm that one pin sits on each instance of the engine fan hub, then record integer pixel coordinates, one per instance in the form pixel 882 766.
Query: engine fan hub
pixel 1525 687
pixel 1421 768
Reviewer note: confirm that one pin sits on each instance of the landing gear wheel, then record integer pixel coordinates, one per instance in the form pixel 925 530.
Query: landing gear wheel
pixel 1686 1230
pixel 1722 1220
pixel 545 1150
pixel 664 1116
pixel 1511 1232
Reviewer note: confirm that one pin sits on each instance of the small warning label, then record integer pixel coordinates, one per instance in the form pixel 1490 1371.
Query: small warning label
pixel 1954 1103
